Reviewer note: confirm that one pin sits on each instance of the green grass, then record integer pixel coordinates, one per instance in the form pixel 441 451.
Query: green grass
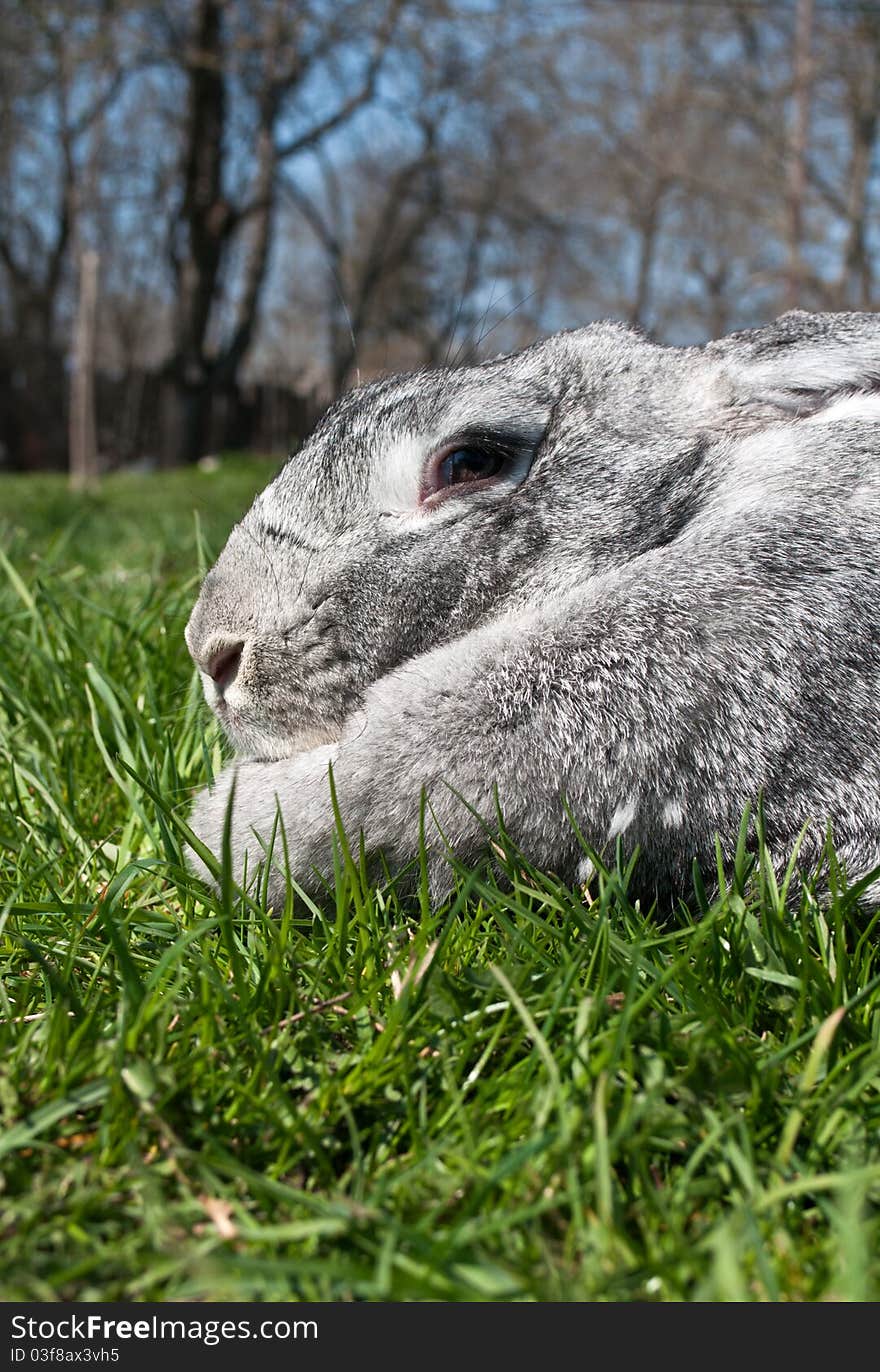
pixel 529 1095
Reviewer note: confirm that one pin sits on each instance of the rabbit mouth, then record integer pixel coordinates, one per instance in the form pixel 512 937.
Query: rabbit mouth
pixel 283 698
pixel 252 738
pixel 276 750
pixel 256 734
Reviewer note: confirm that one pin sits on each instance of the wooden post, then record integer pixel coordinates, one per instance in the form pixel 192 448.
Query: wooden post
pixel 83 440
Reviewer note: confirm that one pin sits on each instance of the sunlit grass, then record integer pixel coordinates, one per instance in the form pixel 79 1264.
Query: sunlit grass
pixel 532 1093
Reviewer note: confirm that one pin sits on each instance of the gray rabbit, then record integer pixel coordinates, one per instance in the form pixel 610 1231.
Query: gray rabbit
pixel 640 584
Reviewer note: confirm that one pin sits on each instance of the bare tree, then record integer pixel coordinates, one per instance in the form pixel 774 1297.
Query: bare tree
pixel 855 49
pixel 318 192
pixel 261 58
pixel 62 71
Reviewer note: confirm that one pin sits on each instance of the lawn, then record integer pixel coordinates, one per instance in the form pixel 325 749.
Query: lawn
pixel 533 1093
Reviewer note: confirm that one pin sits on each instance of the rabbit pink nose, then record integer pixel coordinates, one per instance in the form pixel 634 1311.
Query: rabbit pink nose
pixel 222 666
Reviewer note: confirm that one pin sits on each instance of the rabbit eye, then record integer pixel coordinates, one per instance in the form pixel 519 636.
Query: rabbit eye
pixel 464 464
pixel 468 464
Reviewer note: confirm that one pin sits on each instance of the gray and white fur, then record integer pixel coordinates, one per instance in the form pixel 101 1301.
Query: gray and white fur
pixel 663 604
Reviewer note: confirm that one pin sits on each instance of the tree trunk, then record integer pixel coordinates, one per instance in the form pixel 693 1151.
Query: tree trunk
pixel 857 279
pixel 198 240
pixel 185 416
pixel 648 231
pixel 797 167
pixel 83 441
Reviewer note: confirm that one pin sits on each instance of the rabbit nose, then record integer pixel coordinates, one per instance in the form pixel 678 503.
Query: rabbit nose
pixel 222 664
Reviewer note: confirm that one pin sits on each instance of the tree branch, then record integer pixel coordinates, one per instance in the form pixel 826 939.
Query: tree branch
pixel 318 131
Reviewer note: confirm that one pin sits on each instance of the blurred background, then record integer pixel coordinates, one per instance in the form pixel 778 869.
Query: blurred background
pixel 215 215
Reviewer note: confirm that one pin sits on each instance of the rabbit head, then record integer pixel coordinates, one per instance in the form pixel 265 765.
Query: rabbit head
pixel 426 504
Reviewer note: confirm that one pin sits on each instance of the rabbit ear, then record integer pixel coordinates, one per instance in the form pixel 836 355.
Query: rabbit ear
pixel 802 364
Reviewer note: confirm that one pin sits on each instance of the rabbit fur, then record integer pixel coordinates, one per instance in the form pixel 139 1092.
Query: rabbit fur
pixel 664 605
